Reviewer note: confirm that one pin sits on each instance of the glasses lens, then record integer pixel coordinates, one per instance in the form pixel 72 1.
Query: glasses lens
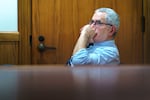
pixel 96 22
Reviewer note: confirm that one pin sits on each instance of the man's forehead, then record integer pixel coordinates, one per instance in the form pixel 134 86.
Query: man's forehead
pixel 99 16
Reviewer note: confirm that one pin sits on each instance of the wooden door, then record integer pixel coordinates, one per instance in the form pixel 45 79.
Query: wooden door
pixel 59 22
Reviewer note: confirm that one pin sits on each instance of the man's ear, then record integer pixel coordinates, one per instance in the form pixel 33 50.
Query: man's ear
pixel 112 30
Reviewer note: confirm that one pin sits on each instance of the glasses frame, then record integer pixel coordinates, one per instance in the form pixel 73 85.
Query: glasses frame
pixel 98 22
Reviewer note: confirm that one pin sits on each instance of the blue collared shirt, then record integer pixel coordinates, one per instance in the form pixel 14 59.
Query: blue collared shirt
pixel 102 53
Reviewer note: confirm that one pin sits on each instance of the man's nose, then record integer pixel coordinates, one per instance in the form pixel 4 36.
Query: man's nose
pixel 93 24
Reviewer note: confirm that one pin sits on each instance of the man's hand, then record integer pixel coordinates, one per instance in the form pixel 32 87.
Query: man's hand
pixel 89 32
pixel 86 37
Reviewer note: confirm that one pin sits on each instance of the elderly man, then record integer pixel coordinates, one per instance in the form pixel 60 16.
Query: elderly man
pixel 100 32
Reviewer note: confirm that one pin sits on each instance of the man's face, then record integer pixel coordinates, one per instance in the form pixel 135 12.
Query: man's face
pixel 102 29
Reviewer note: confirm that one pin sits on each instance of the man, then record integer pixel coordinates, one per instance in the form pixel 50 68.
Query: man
pixel 100 31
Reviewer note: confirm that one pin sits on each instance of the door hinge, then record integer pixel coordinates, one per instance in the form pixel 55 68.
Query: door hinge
pixel 143 24
pixel 30 40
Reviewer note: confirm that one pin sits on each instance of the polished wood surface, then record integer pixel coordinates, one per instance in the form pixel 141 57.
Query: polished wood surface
pixel 80 83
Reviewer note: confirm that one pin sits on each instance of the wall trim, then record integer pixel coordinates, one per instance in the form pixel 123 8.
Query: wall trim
pixel 9 36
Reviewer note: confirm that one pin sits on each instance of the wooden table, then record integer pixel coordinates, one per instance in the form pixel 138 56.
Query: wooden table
pixel 80 83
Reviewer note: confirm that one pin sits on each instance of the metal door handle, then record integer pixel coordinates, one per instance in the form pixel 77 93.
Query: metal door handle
pixel 42 47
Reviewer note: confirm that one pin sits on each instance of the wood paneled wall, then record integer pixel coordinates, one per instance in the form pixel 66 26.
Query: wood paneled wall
pixel 16 49
pixel 9 47
pixel 147 32
pixel 24 10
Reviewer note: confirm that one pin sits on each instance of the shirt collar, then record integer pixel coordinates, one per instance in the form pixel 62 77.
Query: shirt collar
pixel 104 43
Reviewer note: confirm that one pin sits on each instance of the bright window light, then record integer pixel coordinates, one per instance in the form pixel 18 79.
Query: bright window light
pixel 8 15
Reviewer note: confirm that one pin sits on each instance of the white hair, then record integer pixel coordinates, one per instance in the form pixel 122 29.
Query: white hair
pixel 111 16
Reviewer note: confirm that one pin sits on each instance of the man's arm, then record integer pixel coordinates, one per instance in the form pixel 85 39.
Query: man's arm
pixel 86 35
pixel 81 43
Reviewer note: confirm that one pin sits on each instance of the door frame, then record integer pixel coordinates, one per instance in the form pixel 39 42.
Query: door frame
pixel 24 28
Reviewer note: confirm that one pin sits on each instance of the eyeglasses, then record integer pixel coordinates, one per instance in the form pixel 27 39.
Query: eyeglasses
pixel 98 22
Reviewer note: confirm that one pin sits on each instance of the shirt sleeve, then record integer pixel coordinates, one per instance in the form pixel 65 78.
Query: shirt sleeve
pixel 80 58
pixel 99 56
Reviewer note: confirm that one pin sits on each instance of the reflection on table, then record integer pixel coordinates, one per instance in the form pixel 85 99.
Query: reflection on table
pixel 79 83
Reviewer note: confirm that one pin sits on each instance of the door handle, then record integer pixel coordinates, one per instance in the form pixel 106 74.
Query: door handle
pixel 42 47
